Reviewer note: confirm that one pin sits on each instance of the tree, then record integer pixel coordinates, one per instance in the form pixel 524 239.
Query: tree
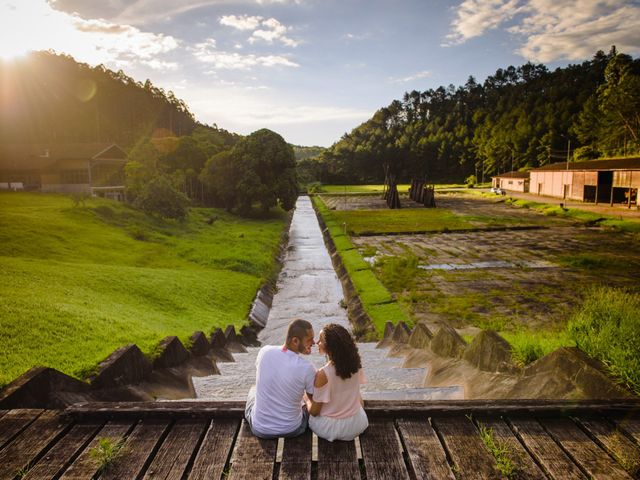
pixel 260 168
pixel 141 168
pixel 159 197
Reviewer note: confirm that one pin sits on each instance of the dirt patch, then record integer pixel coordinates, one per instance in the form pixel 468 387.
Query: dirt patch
pixel 549 267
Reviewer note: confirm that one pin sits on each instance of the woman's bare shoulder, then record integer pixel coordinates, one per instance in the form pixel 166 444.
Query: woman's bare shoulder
pixel 321 379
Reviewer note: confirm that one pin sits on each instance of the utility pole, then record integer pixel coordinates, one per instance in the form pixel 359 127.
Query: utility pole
pixel 568 151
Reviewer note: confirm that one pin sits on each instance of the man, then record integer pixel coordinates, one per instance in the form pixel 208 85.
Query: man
pixel 275 407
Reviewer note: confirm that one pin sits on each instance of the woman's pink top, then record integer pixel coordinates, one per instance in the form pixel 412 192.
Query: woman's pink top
pixel 341 397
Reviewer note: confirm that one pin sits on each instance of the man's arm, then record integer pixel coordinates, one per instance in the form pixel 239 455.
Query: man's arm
pixel 315 407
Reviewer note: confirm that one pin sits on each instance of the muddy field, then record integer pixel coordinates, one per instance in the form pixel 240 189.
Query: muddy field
pixel 506 279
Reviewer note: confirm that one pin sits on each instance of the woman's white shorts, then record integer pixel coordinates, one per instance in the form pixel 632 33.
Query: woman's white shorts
pixel 339 428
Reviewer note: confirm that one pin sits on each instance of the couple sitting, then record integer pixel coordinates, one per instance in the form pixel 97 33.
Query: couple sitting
pixel 288 388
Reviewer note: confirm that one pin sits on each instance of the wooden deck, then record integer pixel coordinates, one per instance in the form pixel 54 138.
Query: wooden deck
pixel 405 440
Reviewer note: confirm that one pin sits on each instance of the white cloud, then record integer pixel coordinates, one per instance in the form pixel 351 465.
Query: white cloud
pixel 267 30
pixel 241 22
pixel 475 17
pixel 555 30
pixel 35 25
pixel 160 65
pixel 410 78
pixel 250 109
pixel 550 29
pixel 206 52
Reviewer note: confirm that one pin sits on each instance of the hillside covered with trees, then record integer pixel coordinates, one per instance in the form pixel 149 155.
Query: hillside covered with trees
pixel 518 118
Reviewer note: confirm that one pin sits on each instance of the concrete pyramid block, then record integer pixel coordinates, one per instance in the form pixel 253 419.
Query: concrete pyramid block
pixel 490 352
pixel 420 336
pixel 447 343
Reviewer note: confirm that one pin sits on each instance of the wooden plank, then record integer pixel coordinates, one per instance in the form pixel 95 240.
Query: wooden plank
pixel 524 464
pixel 215 450
pixel 20 454
pixel 177 449
pixel 253 457
pixel 85 466
pixel 537 407
pixel 14 422
pixel 611 438
pixel 466 449
pixel 337 460
pixel 544 449
pixel 427 458
pixel 55 460
pixel 382 451
pixel 584 451
pixel 171 410
pixel 138 448
pixel 373 407
pixel 296 458
pixel 630 424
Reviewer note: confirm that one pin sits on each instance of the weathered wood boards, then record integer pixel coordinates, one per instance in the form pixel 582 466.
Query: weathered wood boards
pixel 158 443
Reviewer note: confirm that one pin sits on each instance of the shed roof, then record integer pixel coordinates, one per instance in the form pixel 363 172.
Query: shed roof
pixel 29 156
pixel 512 175
pixel 628 163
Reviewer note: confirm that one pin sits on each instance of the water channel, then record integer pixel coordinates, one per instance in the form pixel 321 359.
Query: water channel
pixel 309 288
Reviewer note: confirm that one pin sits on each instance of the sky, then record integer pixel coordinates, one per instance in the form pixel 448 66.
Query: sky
pixel 312 70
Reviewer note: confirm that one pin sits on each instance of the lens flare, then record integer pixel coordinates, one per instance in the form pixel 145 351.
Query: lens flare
pixel 85 89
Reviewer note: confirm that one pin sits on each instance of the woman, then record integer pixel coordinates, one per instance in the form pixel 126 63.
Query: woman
pixel 336 409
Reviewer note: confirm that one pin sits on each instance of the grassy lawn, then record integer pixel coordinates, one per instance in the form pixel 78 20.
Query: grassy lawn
pixel 78 282
pixel 403 220
pixel 403 188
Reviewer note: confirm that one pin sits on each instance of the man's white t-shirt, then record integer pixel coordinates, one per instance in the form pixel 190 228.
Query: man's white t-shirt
pixel 282 377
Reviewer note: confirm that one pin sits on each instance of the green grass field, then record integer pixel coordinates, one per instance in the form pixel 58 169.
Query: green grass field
pixel 403 188
pixel 78 282
pixel 403 220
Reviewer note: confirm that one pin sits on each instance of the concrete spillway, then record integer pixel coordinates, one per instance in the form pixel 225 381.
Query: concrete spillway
pixel 309 288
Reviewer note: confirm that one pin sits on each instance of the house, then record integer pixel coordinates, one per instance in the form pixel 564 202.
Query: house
pixel 512 181
pixel 598 181
pixel 93 168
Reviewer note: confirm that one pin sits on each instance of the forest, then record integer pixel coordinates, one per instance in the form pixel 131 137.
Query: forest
pixel 519 118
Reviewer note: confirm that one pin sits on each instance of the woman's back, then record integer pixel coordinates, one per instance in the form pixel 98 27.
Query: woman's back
pixel 341 397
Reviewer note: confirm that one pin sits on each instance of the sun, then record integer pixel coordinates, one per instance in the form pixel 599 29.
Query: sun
pixel 12 52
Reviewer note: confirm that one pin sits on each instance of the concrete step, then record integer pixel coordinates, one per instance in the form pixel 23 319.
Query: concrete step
pixel 386 379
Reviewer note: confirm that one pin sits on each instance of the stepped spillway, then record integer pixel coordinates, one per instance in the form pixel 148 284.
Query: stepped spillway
pixel 309 288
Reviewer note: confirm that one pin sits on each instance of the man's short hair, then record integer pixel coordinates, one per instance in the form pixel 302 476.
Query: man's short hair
pixel 298 328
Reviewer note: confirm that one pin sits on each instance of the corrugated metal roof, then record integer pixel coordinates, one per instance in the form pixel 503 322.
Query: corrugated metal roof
pixel 602 164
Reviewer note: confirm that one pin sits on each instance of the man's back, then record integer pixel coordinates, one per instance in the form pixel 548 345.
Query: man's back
pixel 281 379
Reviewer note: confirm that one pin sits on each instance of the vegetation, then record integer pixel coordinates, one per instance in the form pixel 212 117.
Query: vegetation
pixel 501 452
pixel 78 282
pixel 360 222
pixel 260 169
pixel 607 328
pixel 159 197
pixel 518 118
pixel 528 346
pixel 106 452
pixel 603 220
pixel 350 189
pixel 79 103
pixel 376 299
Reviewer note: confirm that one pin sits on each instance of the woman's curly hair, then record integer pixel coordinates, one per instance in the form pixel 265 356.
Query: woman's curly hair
pixel 341 350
